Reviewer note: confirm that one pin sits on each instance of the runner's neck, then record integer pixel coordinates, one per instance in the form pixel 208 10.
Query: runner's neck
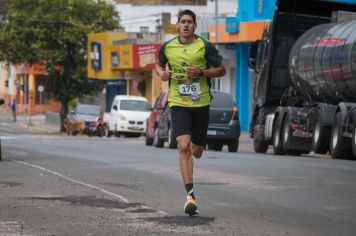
pixel 187 40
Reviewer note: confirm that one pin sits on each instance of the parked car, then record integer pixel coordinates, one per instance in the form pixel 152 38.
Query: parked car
pixel 92 115
pixel 224 125
pixel 128 115
pixel 164 131
pixel 151 123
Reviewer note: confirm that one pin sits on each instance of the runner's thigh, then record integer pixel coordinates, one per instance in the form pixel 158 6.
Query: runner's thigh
pixel 181 121
pixel 200 122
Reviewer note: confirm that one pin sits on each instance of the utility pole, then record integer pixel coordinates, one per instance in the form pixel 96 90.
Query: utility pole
pixel 216 21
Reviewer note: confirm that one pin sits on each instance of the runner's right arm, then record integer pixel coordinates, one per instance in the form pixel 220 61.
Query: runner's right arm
pixel 161 64
pixel 162 72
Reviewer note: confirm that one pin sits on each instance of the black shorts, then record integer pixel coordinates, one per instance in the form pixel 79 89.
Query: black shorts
pixel 191 120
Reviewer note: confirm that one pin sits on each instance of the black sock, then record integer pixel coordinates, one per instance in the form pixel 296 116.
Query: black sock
pixel 190 190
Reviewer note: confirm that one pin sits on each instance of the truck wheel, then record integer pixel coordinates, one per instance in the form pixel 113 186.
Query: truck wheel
pixel 217 147
pixel 210 146
pixel 277 144
pixel 321 135
pixel 157 141
pixel 259 145
pixel 354 142
pixel 172 142
pixel 233 145
pixel 338 145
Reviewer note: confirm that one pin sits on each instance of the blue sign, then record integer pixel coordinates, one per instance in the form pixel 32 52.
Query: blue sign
pixel 232 24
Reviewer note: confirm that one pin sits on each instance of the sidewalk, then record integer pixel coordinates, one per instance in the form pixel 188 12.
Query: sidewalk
pixel 36 123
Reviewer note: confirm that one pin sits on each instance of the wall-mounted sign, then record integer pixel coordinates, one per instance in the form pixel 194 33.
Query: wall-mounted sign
pixel 95 55
pixel 232 24
pixel 145 55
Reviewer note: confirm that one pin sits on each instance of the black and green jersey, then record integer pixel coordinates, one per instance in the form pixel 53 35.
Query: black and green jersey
pixel 184 91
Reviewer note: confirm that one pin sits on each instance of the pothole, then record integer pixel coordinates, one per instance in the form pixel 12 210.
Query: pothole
pixel 142 210
pixel 182 220
pixel 9 184
pixel 121 185
pixel 90 201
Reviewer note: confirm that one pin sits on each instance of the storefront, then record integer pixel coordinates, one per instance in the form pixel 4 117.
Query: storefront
pixel 126 68
pixel 30 94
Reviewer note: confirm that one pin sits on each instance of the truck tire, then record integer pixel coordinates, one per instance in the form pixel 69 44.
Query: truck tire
pixel 321 135
pixel 277 144
pixel 233 145
pixel 157 141
pixel 210 146
pixel 217 147
pixel 172 142
pixel 338 145
pixel 260 145
pixel 354 142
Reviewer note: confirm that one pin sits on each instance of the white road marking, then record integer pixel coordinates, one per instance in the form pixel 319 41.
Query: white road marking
pixel 85 184
pixel 75 181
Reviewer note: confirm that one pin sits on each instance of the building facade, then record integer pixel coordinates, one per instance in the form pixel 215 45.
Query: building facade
pixel 26 84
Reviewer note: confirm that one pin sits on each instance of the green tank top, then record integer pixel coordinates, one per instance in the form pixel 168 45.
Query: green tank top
pixel 184 91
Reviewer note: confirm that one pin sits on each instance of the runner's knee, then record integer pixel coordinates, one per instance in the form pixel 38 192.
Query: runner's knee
pixel 183 143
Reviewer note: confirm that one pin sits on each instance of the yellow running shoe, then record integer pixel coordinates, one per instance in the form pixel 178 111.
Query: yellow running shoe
pixel 190 207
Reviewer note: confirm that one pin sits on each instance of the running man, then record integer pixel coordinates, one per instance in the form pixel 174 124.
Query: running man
pixel 191 61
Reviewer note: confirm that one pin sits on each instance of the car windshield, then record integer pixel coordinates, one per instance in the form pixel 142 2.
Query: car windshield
pixel 135 105
pixel 221 100
pixel 89 110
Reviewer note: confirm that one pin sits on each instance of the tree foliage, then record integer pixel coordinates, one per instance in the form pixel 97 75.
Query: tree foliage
pixel 55 31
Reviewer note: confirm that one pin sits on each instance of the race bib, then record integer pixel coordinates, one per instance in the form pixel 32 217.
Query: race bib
pixel 189 89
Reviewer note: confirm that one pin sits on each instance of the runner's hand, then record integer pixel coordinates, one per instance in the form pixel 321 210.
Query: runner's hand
pixel 166 75
pixel 193 71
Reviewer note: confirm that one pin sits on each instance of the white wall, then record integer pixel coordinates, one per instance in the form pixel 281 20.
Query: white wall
pixel 132 17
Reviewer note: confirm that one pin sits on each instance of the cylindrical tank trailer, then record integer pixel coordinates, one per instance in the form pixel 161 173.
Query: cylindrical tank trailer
pixel 323 63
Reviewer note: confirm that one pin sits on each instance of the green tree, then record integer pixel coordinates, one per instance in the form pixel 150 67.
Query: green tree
pixel 55 31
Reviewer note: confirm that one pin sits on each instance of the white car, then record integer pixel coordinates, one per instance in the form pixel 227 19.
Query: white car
pixel 128 114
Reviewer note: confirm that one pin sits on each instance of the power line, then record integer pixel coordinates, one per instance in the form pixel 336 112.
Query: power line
pixel 142 17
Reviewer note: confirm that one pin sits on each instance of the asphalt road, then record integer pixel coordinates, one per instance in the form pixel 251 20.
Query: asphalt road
pixel 51 184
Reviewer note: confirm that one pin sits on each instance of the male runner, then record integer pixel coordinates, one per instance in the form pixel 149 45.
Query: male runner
pixel 191 61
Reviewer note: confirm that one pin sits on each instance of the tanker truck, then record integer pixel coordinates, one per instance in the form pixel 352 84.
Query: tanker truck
pixel 305 90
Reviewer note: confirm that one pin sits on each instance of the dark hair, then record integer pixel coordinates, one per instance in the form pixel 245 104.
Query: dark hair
pixel 187 12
